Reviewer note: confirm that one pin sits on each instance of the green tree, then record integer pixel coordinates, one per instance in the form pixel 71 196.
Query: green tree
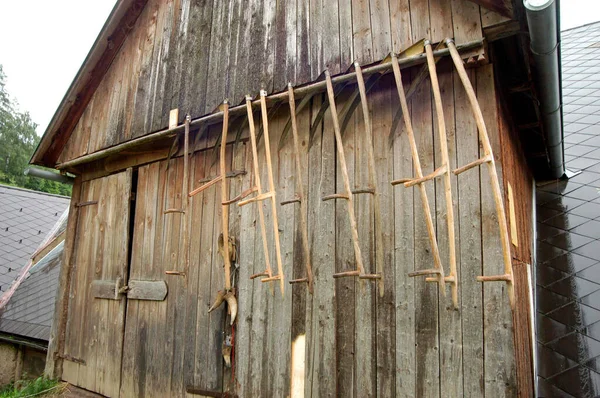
pixel 18 140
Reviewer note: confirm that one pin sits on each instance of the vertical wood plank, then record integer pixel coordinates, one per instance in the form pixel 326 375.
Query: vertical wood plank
pixel 300 294
pixel 400 25
pixel 237 9
pixel 56 343
pixel 440 14
pixel 404 256
pixel 217 67
pixel 347 292
pixel 469 250
pixel 381 28
pixel 193 304
pixel 143 198
pixel 345 26
pixel 451 377
pixel 280 345
pixel 497 317
pixel 330 36
pixel 255 49
pixel 246 286
pixel 315 41
pixel 386 305
pixel 199 38
pixel 466 20
pixel 303 54
pixel 321 364
pixel 361 32
pixel 146 50
pixel 419 20
pixel 426 294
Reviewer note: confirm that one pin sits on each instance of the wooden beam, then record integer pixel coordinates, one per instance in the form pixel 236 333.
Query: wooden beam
pixel 60 136
pixel 502 7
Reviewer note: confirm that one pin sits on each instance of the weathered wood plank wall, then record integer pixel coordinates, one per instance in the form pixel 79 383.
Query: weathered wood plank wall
pixel 191 54
pixel 410 342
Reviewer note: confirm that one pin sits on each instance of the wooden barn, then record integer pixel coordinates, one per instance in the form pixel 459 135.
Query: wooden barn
pixel 305 198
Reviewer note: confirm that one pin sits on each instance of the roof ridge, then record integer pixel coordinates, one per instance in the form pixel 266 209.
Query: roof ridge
pixel 34 192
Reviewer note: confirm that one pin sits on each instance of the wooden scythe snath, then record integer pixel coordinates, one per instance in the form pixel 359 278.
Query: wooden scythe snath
pixel 488 158
pixel 438 270
pixel 348 195
pixel 300 197
pixel 453 277
pixel 260 195
pixel 226 245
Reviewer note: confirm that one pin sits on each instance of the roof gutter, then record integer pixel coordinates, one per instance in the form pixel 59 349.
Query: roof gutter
pixel 543 31
pixel 49 175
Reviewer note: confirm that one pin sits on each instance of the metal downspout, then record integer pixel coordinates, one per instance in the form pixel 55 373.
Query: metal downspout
pixel 543 31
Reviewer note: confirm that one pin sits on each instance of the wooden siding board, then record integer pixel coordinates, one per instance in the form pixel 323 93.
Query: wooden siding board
pixel 346 39
pixel 280 345
pixel 420 25
pixel 381 28
pixel 217 68
pixel 303 54
pixel 193 304
pixel 440 14
pixel 233 51
pixel 240 85
pixel 299 292
pixel 361 32
pixel 404 262
pixel 400 23
pixel 381 101
pixel 321 365
pixel 161 70
pixel 426 294
pixel 497 317
pixel 173 65
pixel 198 47
pixel 466 20
pixel 149 18
pixel 246 287
pixel 255 49
pixel 330 37
pixel 451 377
pixel 365 318
pixel 469 248
pixel 346 289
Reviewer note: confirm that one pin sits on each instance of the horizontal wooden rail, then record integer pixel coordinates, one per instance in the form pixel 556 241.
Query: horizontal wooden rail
pixel 281 97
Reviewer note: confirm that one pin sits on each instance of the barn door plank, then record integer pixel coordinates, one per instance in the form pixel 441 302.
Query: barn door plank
pixel 102 252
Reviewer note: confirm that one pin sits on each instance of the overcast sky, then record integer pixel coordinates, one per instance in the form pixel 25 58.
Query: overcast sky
pixel 43 43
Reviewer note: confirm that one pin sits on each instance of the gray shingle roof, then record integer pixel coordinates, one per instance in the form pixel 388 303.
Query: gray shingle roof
pixel 26 217
pixel 29 311
pixel 568 234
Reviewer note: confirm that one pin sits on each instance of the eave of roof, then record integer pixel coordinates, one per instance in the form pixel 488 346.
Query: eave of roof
pixel 107 44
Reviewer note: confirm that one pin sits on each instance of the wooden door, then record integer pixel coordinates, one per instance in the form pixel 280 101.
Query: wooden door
pixel 153 355
pixel 94 333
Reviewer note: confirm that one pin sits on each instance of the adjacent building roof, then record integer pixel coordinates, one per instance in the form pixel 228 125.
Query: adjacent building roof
pixel 29 311
pixel 26 217
pixel 568 234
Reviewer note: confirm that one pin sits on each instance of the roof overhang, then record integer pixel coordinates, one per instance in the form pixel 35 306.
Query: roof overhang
pixel 103 52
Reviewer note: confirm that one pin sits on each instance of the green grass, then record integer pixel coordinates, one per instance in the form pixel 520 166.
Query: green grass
pixel 29 388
